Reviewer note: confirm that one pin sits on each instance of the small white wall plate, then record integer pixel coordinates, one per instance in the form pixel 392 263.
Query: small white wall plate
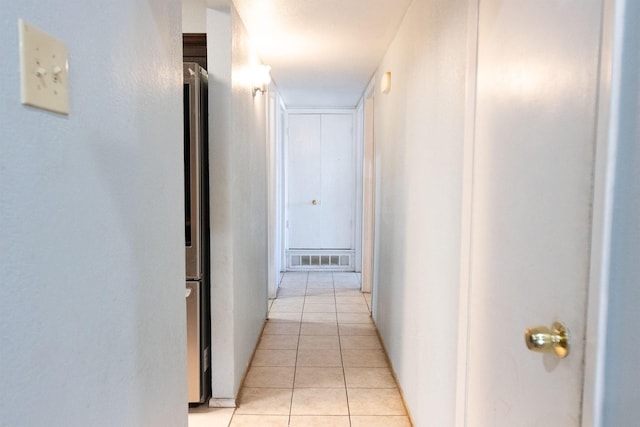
pixel 44 70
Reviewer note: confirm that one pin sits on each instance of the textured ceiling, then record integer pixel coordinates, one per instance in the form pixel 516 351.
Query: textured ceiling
pixel 322 53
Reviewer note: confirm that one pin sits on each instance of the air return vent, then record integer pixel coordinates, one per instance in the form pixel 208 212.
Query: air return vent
pixel 311 260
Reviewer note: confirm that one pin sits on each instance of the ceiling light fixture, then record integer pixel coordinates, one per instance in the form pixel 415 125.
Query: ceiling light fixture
pixel 261 78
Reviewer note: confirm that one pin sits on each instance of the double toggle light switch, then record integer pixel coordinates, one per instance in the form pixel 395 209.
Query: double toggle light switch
pixel 43 70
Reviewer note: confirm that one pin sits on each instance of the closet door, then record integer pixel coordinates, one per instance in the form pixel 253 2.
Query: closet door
pixel 321 182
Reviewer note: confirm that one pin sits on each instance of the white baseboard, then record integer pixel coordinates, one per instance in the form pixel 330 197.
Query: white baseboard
pixel 222 403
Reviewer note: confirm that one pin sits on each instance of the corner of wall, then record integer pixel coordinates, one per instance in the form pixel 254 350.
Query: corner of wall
pixel 239 212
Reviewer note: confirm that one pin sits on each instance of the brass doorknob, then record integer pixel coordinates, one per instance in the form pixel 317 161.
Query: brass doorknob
pixel 314 202
pixel 545 340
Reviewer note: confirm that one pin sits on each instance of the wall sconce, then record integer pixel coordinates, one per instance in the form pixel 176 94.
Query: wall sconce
pixel 260 78
pixel 385 84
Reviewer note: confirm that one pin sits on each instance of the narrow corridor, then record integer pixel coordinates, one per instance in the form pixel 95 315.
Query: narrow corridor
pixel 319 361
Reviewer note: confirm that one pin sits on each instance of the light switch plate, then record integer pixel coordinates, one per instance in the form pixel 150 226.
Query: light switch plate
pixel 44 70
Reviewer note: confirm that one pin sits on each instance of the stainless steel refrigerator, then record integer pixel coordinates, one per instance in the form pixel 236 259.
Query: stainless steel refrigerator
pixel 196 167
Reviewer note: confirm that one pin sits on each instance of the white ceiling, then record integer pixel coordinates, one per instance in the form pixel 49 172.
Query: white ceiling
pixel 322 53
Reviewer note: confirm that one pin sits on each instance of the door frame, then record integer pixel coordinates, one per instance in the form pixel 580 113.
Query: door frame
pixel 275 208
pixel 612 38
pixel 357 158
pixel 368 188
pixel 272 188
pixel 604 172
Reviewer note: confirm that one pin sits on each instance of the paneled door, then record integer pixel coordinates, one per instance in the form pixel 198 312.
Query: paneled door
pixel 537 88
pixel 321 184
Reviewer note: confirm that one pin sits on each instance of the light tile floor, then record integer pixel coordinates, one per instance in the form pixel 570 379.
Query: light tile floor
pixel 204 416
pixel 319 361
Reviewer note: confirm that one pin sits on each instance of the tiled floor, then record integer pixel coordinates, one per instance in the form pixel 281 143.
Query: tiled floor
pixel 319 361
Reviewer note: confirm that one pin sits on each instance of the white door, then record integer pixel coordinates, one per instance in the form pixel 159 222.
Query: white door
pixel 321 182
pixel 537 85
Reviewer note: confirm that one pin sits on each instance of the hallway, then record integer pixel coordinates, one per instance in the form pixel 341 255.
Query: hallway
pixel 319 361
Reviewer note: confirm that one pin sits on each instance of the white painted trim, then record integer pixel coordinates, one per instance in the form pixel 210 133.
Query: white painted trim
pixel 222 403
pixel 377 209
pixel 368 191
pixel 281 127
pixel 604 180
pixel 272 282
pixel 359 190
pixel 466 214
pixel 356 220
pixel 285 187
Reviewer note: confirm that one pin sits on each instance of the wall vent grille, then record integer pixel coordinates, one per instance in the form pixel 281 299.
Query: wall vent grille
pixel 320 260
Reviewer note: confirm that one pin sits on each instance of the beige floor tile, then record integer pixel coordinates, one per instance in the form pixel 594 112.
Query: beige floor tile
pixel 320 299
pixel 291 292
pixel 287 306
pixel 278 342
pixel 204 416
pixel 298 365
pixel 264 401
pixel 357 329
pixel 319 358
pixel 362 342
pixel 346 277
pixel 350 286
pixel 319 329
pixel 293 297
pixel 289 300
pixel 259 420
pixel 285 317
pixel 375 401
pixel 320 275
pixel 319 421
pixel 270 377
pixel 281 328
pixel 319 342
pixel 345 274
pixel 320 307
pixel 319 317
pixel 360 307
pixel 320 292
pixel 274 358
pixel 364 359
pixel 295 275
pixel 341 299
pixel 319 285
pixel 319 378
pixel 353 318
pixel 369 378
pixel 319 401
pixel 342 292
pixel 293 284
pixel 380 421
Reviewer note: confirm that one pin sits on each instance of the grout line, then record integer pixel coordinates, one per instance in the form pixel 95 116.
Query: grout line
pixel 344 375
pixel 295 366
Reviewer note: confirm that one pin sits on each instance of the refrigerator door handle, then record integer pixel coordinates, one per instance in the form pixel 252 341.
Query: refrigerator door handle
pixel 188 293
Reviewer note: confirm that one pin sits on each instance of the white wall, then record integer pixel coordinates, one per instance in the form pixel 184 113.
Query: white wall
pixel 419 138
pixel 622 392
pixel 194 16
pixel 92 323
pixel 238 202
